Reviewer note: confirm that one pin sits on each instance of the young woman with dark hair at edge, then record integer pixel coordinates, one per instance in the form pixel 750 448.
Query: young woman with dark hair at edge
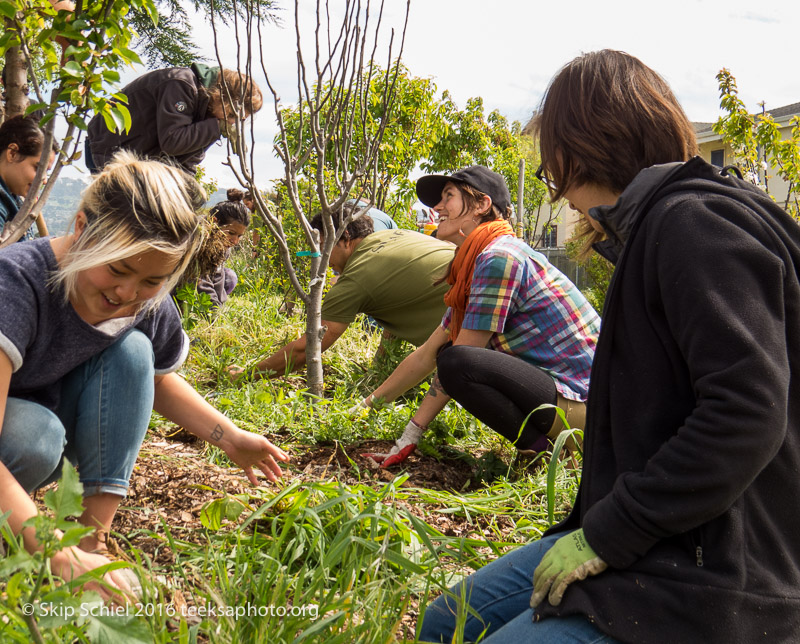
pixel 90 344
pixel 681 530
pixel 517 333
pixel 21 141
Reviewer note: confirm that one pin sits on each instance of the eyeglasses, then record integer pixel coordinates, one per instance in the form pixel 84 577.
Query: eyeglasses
pixel 542 176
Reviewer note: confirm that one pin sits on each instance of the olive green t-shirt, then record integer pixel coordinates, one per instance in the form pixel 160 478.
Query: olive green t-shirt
pixel 390 277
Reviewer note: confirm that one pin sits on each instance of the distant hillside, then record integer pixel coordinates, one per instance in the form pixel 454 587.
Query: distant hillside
pixel 62 204
pixel 219 195
pixel 65 198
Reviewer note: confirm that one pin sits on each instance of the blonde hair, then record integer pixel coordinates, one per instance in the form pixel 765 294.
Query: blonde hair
pixel 135 206
pixel 234 89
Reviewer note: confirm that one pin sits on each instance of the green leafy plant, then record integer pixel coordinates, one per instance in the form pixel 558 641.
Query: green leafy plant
pixel 35 604
pixel 82 83
pixel 194 305
pixel 757 142
pixel 599 271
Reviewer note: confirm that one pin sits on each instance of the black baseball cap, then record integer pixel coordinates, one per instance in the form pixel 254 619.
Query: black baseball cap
pixel 429 187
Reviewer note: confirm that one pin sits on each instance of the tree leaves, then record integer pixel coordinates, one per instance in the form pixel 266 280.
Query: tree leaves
pixel 757 140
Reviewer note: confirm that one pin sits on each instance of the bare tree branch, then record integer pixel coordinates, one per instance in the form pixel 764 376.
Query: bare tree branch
pixel 324 141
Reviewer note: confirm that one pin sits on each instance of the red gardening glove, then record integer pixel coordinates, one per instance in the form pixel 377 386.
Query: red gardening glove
pixel 392 458
pixel 403 446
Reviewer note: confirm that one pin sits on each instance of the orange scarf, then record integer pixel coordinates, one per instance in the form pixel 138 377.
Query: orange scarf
pixel 463 266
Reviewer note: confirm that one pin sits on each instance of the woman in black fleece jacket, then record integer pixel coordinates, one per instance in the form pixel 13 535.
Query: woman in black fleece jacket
pixel 685 527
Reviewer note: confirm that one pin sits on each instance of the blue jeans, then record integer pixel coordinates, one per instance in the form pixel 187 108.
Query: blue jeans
pixel 500 594
pixel 99 425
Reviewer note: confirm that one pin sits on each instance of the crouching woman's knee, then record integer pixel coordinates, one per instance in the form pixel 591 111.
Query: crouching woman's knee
pixel 31 443
pixel 453 367
pixel 133 354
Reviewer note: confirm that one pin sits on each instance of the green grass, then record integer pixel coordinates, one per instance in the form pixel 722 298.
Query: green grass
pixel 346 563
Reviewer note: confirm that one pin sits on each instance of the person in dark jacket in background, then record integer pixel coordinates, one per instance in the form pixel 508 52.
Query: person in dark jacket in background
pixel 176 113
pixel 683 529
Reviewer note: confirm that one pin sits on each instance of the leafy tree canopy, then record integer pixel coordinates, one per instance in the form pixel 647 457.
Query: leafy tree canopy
pixel 756 141
pixel 429 132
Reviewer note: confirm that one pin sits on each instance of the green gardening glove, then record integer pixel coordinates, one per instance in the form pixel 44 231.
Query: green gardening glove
pixel 571 558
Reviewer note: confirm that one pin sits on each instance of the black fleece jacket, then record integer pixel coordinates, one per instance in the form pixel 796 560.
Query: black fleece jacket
pixel 169 118
pixel 691 474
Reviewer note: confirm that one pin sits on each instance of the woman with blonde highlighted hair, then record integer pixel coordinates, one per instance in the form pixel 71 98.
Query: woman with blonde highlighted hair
pixel 90 344
pixel 683 529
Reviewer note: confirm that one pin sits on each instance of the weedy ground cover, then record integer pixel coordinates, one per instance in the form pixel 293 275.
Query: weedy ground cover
pixel 339 551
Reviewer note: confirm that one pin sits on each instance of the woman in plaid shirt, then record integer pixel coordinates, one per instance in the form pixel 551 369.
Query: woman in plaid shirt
pixel 517 333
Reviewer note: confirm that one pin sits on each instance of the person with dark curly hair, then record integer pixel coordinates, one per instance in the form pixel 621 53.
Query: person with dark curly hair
pixel 232 218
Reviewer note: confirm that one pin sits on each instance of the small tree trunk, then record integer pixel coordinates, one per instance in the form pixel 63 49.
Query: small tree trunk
pixel 41 225
pixel 314 333
pixel 16 83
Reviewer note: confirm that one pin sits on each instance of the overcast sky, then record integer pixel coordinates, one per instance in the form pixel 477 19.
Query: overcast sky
pixel 507 51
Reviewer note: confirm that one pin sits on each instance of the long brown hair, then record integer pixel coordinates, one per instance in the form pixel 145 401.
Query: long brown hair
pixel 233 86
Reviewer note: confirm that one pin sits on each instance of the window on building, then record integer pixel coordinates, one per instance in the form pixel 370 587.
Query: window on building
pixel 718 158
pixel 550 237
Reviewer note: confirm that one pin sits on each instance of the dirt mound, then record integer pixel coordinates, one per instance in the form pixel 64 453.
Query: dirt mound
pixel 351 463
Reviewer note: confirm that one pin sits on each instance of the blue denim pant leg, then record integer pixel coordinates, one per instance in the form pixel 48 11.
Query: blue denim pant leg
pixel 31 443
pixel 105 407
pixel 500 593
pixel 574 629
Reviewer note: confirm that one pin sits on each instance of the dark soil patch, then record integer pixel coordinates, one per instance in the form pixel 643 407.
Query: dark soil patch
pixel 353 466
pixel 173 481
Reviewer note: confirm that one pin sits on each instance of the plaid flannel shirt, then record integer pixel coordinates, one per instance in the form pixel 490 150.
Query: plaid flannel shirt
pixel 535 312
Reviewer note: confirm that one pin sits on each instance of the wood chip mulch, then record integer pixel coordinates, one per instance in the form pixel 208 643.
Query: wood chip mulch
pixel 173 480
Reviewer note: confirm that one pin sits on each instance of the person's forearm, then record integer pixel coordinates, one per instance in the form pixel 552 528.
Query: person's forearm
pixel 433 402
pixel 411 371
pixel 15 500
pixel 176 400
pixel 13 497
pixel 293 355
pixel 180 403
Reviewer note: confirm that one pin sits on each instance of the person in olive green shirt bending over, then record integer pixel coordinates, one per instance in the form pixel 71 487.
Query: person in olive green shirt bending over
pixel 389 275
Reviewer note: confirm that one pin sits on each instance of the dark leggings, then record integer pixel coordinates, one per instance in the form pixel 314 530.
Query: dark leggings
pixel 500 390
